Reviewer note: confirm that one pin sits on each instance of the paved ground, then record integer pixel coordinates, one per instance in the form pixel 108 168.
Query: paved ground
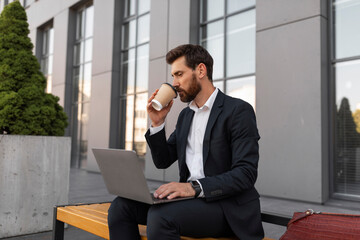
pixel 87 187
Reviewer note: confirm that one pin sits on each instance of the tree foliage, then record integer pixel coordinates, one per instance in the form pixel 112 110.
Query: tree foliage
pixel 25 108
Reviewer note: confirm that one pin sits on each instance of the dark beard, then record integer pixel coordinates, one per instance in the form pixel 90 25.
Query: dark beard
pixel 188 96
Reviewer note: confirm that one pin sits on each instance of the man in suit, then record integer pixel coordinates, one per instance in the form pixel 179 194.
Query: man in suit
pixel 216 145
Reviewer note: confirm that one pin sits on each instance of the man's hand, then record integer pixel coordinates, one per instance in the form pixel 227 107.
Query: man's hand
pixel 157 117
pixel 174 190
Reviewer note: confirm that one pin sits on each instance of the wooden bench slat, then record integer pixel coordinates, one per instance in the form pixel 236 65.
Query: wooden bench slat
pixel 93 218
pixel 86 222
pixel 101 207
pixel 86 214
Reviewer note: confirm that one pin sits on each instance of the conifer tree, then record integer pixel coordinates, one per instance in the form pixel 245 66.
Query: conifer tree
pixel 25 108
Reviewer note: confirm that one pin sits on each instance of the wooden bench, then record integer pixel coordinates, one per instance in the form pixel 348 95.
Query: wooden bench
pixel 93 218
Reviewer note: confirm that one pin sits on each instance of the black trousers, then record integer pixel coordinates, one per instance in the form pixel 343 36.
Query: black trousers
pixel 194 218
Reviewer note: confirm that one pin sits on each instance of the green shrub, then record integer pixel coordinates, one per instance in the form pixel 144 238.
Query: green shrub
pixel 25 108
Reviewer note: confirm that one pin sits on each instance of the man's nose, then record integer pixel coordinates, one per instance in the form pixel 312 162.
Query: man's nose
pixel 175 82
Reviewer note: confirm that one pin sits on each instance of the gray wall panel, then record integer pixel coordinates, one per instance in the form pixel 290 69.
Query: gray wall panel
pixel 60 25
pixel 157 75
pixel 42 11
pixel 179 23
pixel 278 12
pixel 159 28
pixel 289 110
pixel 59 91
pixel 99 117
pixel 103 36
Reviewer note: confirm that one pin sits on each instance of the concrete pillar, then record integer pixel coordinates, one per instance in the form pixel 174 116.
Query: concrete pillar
pixel 292 99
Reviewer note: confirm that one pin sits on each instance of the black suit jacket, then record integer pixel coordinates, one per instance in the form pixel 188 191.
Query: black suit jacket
pixel 230 156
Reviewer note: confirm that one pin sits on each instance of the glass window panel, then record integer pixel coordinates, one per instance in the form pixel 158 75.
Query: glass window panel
pixel 144 6
pixel 77 80
pixel 80 25
pixel 89 22
pixel 347 158
pixel 140 124
pixel 76 129
pixel 45 42
pixel 240 44
pixel 50 65
pixel 84 120
pixel 78 53
pixel 129 122
pixel 51 40
pixel 348 83
pixel 129 8
pixel 219 85
pixel 237 5
pixel 143 29
pixel 243 88
pixel 129 32
pixel 128 72
pixel 86 89
pixel 83 133
pixel 213 41
pixel 142 68
pixel 212 9
pixel 88 50
pixel 347 28
pixel 44 65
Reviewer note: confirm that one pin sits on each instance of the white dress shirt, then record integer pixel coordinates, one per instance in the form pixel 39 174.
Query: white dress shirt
pixel 194 146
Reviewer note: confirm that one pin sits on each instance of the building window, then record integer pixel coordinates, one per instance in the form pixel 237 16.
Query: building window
pixel 28 2
pixel 82 64
pixel 46 58
pixel 227 31
pixel 134 75
pixel 346 69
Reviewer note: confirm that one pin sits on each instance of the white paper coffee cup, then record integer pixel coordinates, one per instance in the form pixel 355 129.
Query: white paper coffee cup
pixel 165 94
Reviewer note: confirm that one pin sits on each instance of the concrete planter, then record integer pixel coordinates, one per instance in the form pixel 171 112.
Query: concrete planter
pixel 34 176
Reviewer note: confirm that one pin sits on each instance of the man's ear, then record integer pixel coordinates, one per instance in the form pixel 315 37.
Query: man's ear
pixel 202 71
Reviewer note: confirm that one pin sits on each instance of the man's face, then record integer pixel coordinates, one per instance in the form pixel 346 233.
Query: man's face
pixel 185 81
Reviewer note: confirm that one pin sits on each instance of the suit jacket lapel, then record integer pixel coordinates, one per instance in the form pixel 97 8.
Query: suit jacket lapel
pixel 214 114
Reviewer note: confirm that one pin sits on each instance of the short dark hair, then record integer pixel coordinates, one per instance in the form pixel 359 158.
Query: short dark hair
pixel 194 55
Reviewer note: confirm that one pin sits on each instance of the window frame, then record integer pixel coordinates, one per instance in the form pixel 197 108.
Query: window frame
pixel 76 105
pixel 123 94
pixel 224 79
pixel 332 105
pixel 45 30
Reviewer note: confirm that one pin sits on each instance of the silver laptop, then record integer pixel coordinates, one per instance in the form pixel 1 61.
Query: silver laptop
pixel 124 177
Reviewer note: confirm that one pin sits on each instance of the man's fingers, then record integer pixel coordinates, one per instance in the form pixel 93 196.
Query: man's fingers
pixel 173 195
pixel 172 190
pixel 160 191
pixel 153 95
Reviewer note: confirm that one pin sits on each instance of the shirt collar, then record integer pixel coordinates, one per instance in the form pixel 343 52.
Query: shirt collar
pixel 209 103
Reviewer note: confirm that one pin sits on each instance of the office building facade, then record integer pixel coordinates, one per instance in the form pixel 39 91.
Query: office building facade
pixel 296 62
